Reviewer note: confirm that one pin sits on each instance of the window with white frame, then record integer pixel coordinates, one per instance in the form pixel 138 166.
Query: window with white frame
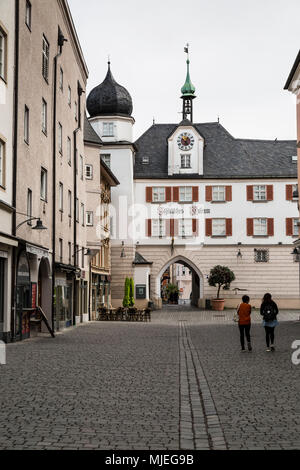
pixel 29 206
pixel 69 96
pixel 2 164
pixel 44 116
pixel 69 203
pixel 82 214
pixel 69 151
pixel 81 167
pixel 185 228
pixel 185 161
pixel 158 194
pixel 61 79
pixel 185 194
pixel 26 124
pixel 89 218
pixel 219 227
pixel 260 192
pixel 3 40
pixel 218 193
pixel 45 63
pixel 260 227
pixel 61 197
pixel 108 129
pixel 43 184
pixel 89 172
pixel 158 228
pixel 295 227
pixel 60 138
pixel 295 191
pixel 28 14
pixel 106 158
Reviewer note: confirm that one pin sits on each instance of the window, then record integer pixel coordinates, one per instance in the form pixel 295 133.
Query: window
pixel 260 227
pixel 45 63
pixel 2 164
pixel 44 116
pixel 69 203
pixel 77 210
pixel 69 96
pixel 158 228
pixel 61 197
pixel 145 160
pixel 259 193
pixel 70 252
pixel 44 184
pixel 106 157
pixel 218 193
pixel 295 192
pixel 261 256
pixel 218 227
pixel 81 167
pixel 295 227
pixel 185 194
pixel 26 125
pixel 61 79
pixel 185 228
pixel 69 151
pixel 89 218
pixel 2 54
pixel 82 214
pixel 60 138
pixel 60 252
pixel 76 255
pixel 28 14
pixel 82 257
pixel 89 172
pixel 76 111
pixel 185 161
pixel 29 206
pixel 108 129
pixel 159 195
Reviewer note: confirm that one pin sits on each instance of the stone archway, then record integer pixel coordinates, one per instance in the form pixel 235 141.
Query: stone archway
pixel 197 279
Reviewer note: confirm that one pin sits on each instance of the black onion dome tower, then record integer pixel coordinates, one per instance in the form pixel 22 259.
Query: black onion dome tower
pixel 109 99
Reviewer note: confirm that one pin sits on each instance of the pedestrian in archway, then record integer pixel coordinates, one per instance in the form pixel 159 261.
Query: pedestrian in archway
pixel 244 314
pixel 269 312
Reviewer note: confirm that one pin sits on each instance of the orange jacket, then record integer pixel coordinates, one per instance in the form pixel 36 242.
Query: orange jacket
pixel 244 313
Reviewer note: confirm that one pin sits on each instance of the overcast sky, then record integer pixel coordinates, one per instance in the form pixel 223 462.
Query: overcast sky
pixel 241 54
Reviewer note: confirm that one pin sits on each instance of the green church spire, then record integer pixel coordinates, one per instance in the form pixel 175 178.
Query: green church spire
pixel 188 92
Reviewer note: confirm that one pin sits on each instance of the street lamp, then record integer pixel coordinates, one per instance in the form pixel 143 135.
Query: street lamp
pixel 39 224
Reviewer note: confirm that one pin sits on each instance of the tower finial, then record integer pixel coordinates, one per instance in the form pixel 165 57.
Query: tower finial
pixel 188 91
pixel 108 60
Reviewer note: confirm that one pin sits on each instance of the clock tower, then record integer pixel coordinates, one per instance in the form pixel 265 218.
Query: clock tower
pixel 188 92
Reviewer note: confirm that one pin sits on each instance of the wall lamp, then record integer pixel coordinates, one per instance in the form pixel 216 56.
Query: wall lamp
pixel 38 226
pixel 239 255
pixel 123 255
pixel 296 254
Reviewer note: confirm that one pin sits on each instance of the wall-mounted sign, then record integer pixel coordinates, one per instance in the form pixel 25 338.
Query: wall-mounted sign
pixel 140 291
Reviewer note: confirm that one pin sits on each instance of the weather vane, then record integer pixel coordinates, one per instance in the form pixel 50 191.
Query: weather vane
pixel 186 49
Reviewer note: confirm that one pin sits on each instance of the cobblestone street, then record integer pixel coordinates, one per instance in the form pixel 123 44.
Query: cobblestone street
pixel 179 382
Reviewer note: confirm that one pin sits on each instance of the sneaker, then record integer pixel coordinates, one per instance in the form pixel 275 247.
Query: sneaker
pixel 243 350
pixel 272 348
pixel 249 347
pixel 268 350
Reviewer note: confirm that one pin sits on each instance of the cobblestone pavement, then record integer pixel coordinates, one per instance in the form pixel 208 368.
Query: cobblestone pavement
pixel 177 382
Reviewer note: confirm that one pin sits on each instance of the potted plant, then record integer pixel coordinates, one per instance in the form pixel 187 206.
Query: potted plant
pixel 220 276
pixel 172 293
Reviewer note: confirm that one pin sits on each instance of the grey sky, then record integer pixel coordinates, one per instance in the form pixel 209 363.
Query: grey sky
pixel 241 54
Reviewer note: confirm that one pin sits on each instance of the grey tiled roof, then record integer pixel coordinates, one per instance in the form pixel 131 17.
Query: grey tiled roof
pixel 139 259
pixel 89 134
pixel 224 156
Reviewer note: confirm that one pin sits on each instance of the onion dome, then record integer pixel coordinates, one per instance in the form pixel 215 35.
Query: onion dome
pixel 109 98
pixel 188 88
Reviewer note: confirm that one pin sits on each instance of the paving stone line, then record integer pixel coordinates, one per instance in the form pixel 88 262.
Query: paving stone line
pixel 200 427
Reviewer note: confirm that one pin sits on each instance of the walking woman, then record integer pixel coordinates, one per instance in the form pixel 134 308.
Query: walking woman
pixel 244 313
pixel 269 312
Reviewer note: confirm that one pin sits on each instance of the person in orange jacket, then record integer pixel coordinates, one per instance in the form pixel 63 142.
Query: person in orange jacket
pixel 244 313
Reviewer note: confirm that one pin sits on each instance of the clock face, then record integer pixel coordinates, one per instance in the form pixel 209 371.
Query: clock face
pixel 185 141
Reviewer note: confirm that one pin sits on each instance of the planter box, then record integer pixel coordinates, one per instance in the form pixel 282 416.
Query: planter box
pixel 218 304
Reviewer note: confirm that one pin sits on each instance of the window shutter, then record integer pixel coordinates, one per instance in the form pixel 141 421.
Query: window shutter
pixel 289 192
pixel 208 193
pixel 208 227
pixel 171 227
pixel 228 190
pixel 149 195
pixel 270 227
pixel 250 193
pixel 270 192
pixel 149 227
pixel 176 194
pixel 229 227
pixel 195 194
pixel 175 227
pixel 250 227
pixel 168 191
pixel 195 227
pixel 289 227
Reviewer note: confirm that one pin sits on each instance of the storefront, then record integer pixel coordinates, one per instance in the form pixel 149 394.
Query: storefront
pixel 100 294
pixel 23 298
pixel 63 296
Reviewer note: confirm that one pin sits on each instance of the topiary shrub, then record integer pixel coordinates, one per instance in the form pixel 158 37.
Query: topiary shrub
pixel 221 276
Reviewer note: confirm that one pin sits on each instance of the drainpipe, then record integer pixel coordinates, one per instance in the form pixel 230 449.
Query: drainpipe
pixel 60 41
pixel 79 93
pixel 14 180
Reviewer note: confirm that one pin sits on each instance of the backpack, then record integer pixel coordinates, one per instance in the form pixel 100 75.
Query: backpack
pixel 269 313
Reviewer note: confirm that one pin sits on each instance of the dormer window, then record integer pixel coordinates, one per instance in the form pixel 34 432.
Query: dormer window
pixel 108 129
pixel 185 161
